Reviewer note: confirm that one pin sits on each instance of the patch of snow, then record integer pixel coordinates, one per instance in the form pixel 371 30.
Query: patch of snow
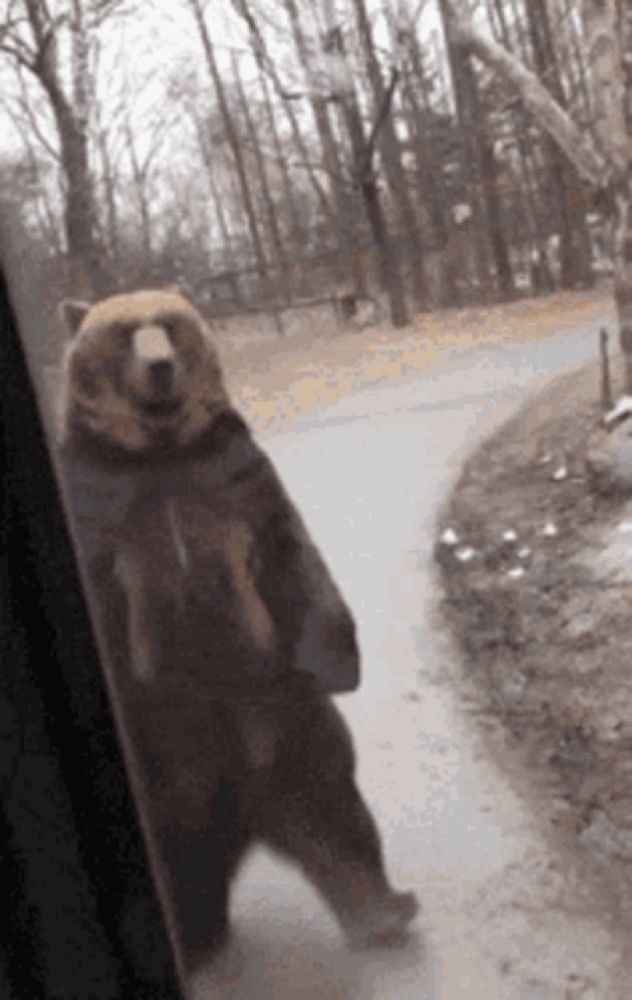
pixel 621 409
pixel 560 474
pixel 510 536
pixel 449 537
pixel 550 530
pixel 465 555
pixel 516 573
pixel 524 552
pixel 461 213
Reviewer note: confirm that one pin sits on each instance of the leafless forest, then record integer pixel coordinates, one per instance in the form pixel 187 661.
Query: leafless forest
pixel 288 152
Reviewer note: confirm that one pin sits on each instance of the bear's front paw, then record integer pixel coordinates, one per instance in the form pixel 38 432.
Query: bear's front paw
pixel 327 650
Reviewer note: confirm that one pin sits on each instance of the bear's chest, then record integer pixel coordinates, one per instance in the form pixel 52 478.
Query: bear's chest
pixel 170 505
pixel 181 544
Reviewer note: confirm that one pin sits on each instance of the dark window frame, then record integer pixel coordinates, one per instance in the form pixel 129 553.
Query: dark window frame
pixel 82 912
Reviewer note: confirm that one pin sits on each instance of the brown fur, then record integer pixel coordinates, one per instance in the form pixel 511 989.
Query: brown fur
pixel 101 353
pixel 224 630
pixel 160 556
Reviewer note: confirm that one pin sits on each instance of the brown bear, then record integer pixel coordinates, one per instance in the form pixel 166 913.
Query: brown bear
pixel 224 634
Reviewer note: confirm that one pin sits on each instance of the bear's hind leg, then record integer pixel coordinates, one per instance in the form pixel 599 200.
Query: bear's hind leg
pixel 315 815
pixel 200 866
pixel 338 848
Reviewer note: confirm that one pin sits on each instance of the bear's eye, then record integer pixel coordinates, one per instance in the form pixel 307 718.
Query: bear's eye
pixel 172 331
pixel 87 380
pixel 124 333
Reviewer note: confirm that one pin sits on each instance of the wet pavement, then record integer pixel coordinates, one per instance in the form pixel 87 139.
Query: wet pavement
pixel 501 917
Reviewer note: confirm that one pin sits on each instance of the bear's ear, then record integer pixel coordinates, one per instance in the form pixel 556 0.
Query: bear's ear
pixel 72 312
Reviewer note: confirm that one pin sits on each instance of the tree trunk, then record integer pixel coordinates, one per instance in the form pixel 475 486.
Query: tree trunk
pixel 216 198
pixel 389 265
pixel 281 157
pixel 388 260
pixel 264 186
pixel 79 221
pixel 608 28
pixel 519 28
pixel 576 143
pixel 84 257
pixel 109 187
pixel 79 214
pixel 606 163
pixel 576 70
pixel 390 153
pixel 139 177
pixel 473 133
pixel 344 223
pixel 431 179
pixel 528 168
pixel 267 66
pixel 493 213
pixel 566 196
pixel 207 160
pixel 431 194
pixel 622 254
pixel 231 135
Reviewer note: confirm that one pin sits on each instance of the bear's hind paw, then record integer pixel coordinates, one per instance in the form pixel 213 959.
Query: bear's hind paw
pixel 383 924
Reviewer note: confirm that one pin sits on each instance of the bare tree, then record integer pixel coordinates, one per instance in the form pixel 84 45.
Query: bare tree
pixel 268 69
pixel 391 156
pixel 30 37
pixel 231 134
pixel 566 197
pixel 216 196
pixel 363 146
pixel 141 167
pixel 282 160
pixel 254 144
pixel 432 201
pixel 345 223
pixel 478 156
pixel 35 190
pixel 322 88
pixel 602 154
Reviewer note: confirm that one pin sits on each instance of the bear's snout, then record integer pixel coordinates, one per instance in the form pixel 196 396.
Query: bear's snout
pixel 162 375
pixel 155 367
pixel 151 343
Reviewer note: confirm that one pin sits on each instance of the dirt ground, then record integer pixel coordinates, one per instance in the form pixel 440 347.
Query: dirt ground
pixel 538 590
pixel 273 379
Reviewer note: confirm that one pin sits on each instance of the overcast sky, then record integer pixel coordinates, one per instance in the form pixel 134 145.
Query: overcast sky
pixel 138 56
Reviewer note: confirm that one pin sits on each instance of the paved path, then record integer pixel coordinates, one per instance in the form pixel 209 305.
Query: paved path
pixel 501 917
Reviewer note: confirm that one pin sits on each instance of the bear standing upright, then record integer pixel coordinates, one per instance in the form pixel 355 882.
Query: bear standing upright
pixel 224 633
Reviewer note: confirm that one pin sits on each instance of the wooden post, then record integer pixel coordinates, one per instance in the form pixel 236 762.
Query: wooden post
pixel 606 384
pixel 278 322
pixel 335 305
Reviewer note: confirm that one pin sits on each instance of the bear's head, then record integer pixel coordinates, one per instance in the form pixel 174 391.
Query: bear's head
pixel 142 371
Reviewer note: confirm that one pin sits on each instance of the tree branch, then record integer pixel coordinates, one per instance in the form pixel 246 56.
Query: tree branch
pixel 574 142
pixel 25 105
pixel 380 118
pixel 261 53
pixel 605 47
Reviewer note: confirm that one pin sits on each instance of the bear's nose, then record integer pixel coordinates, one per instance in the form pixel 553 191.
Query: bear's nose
pixel 161 373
